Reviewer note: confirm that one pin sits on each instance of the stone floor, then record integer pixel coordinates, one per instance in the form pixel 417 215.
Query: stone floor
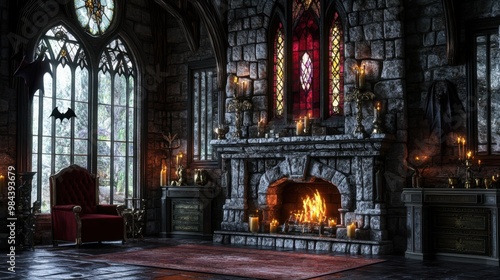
pixel 66 262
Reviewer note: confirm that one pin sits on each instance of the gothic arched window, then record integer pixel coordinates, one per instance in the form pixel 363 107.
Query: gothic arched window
pixel 103 136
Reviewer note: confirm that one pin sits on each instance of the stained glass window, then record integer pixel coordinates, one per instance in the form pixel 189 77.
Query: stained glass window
pixel 95 16
pixel 305 61
pixel 279 72
pixel 311 92
pixel 336 61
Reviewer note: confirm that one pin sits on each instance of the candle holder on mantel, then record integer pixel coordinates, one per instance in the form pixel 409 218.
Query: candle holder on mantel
pixel 359 95
pixel 169 147
pixel 466 159
pixel 237 106
pixel 469 169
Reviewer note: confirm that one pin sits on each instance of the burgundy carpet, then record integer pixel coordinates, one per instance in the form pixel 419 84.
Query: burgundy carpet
pixel 244 262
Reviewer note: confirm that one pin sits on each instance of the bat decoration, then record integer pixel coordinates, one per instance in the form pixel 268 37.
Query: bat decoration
pixel 58 115
pixel 444 111
pixel 33 72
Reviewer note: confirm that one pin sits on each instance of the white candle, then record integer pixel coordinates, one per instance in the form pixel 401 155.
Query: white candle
pixel 300 127
pixel 253 224
pixel 307 121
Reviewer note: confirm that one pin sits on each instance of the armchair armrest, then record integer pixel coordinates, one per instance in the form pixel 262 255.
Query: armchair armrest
pixel 110 209
pixel 69 207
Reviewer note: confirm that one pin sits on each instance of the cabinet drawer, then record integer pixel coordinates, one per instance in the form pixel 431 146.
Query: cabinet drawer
pixel 461 230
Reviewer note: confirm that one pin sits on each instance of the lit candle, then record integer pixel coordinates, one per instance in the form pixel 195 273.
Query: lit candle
pixel 463 146
pixel 163 174
pixel 469 155
pixel 361 80
pixel 351 231
pixel 179 158
pixel 300 127
pixel 378 108
pixel 332 223
pixel 459 141
pixel 253 224
pixel 2 183
pixel 479 162
pixel 260 124
pixel 273 226
pixel 307 120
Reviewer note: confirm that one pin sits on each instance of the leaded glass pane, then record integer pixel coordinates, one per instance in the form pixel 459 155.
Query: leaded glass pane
pixel 482 94
pixel 495 93
pixel 104 88
pixel 95 16
pixel 120 90
pixel 306 72
pixel 279 72
pixel 104 122
pixel 336 102
pixel 81 84
pixel 120 123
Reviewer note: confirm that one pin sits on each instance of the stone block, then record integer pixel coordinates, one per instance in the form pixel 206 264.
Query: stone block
pixel 288 244
pixel 323 246
pixel 300 244
pixel 251 241
pixel 311 245
pixel 339 247
pixel 268 241
pixel 280 243
pixel 366 249
pixel 238 239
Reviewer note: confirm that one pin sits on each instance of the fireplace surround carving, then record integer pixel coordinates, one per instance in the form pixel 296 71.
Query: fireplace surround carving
pixel 254 168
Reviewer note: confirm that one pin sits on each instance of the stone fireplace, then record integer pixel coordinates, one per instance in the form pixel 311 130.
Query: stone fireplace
pixel 270 174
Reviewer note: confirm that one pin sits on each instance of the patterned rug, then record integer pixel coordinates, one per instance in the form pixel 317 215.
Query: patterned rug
pixel 244 262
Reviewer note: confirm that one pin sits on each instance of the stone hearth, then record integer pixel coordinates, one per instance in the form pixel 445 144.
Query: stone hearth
pixel 254 168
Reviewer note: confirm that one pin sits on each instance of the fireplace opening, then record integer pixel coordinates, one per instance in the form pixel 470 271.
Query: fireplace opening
pixel 302 207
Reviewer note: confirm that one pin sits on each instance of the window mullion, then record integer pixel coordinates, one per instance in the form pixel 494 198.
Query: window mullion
pixel 72 128
pixel 127 131
pixel 112 140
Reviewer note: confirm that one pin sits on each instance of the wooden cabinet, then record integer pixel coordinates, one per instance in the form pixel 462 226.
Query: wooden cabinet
pixel 453 224
pixel 187 211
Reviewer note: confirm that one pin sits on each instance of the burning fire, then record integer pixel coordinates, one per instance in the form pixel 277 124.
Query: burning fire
pixel 314 209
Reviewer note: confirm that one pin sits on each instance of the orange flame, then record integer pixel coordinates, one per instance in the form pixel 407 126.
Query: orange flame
pixel 314 209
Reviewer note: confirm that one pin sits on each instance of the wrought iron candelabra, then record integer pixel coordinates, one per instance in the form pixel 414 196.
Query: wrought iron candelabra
pixel 170 147
pixel 358 95
pixel 238 105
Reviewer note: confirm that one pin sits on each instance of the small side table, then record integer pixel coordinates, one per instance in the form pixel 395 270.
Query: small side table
pixel 134 216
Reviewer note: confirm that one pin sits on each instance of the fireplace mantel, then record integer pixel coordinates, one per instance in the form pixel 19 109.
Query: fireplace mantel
pixel 326 145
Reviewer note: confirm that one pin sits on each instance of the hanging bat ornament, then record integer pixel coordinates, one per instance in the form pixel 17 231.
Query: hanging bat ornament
pixel 58 115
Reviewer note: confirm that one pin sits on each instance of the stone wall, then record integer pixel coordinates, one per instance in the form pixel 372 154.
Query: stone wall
pixel 374 36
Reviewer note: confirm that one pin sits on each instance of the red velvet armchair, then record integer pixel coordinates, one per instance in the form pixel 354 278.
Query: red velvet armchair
pixel 76 213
